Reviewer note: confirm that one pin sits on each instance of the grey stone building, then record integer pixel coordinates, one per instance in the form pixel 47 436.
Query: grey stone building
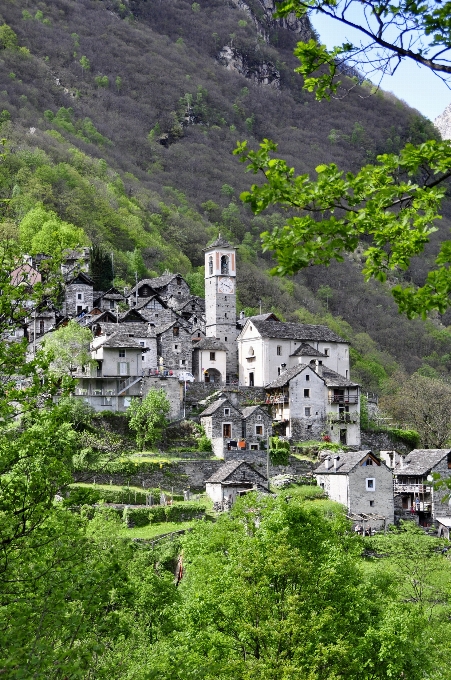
pixel 155 310
pixel 362 483
pixel 257 427
pixel 415 495
pixel 166 286
pixel 309 400
pixel 175 347
pixel 233 479
pixel 223 424
pixel 109 300
pixel 78 295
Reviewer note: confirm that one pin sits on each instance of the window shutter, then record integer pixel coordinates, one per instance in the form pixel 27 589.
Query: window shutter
pixel 118 368
pixel 128 368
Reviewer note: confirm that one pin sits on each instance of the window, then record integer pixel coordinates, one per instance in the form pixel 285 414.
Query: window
pixel 122 352
pixel 326 351
pixel 370 484
pixel 111 304
pixel 226 430
pixel 307 411
pixel 259 429
pixel 176 346
pixel 210 265
pixel 226 411
pixel 259 417
pixel 212 356
pixel 225 315
pixel 80 296
pixel 123 368
pixel 372 504
pixel 225 339
pixel 41 327
pixel 279 350
pixel 307 377
pixel 175 331
pixel 182 362
pixel 142 344
pixel 307 394
pixel 224 264
pixel 369 461
pixel 254 447
pixel 179 281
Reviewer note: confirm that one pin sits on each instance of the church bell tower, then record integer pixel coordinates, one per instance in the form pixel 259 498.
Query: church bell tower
pixel 220 299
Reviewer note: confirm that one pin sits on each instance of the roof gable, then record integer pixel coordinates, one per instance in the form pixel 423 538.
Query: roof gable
pixel 347 462
pixel 216 405
pixel 228 472
pixel 420 461
pixel 81 279
pixel 294 331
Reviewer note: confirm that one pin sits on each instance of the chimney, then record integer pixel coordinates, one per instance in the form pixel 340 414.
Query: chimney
pixel 327 462
pixel 336 459
pixel 401 462
pixel 318 368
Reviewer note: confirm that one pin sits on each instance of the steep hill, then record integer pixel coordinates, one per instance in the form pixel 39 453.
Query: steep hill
pixel 122 118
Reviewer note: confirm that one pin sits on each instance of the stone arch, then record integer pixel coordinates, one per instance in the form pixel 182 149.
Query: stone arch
pixel 225 264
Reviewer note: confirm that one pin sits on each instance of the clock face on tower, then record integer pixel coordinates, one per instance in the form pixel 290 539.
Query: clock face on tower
pixel 226 285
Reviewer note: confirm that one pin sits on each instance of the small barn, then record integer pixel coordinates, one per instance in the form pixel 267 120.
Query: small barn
pixel 232 480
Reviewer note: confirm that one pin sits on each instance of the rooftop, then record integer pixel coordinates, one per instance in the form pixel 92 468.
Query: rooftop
pixel 220 242
pixel 117 340
pixel 210 344
pixel 224 472
pixel 420 461
pixel 346 462
pixel 295 331
pixel 308 351
pixel 214 407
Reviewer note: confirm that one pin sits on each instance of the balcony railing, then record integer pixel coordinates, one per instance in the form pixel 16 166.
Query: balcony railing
pixel 343 399
pixel 277 399
pixel 350 418
pixel 411 488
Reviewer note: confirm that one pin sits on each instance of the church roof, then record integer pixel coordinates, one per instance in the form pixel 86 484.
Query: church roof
pixel 212 344
pixel 220 242
pixel 307 351
pixel 295 331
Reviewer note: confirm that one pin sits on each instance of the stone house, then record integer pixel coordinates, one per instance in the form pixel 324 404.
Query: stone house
pixel 78 295
pixel 415 496
pixel 257 427
pixel 108 300
pixel 166 286
pixel 223 424
pixel 175 347
pixel 116 376
pixel 267 347
pixel 210 361
pixel 155 310
pixel 362 483
pixel 233 479
pixel 75 261
pixel 309 401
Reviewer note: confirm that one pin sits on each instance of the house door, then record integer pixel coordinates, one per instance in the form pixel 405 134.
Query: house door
pixel 251 380
pixel 226 430
pixel 342 436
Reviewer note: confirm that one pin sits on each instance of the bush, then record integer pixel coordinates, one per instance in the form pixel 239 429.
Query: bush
pixel 140 517
pixel 204 443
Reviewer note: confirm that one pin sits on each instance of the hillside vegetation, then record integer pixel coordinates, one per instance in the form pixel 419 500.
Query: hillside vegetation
pixel 121 119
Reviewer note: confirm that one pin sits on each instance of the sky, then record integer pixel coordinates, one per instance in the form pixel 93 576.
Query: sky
pixel 416 85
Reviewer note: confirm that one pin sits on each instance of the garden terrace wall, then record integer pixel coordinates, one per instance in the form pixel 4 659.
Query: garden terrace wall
pixel 182 475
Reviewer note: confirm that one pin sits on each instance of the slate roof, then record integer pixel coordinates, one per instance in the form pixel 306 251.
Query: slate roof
pixel 347 462
pixel 333 379
pixel 420 461
pixel 120 340
pixel 295 331
pixel 221 475
pixel 110 294
pixel 145 302
pixel 308 351
pixel 148 282
pixel 285 377
pixel 159 330
pixel 131 316
pixel 220 242
pixel 210 343
pixel 249 410
pixel 214 407
pixel 84 278
pixel 141 330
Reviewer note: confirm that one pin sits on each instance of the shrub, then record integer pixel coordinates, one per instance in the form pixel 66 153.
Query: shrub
pixel 140 517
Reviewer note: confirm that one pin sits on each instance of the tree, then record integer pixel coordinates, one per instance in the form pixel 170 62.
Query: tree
pixel 425 405
pixel 389 32
pixel 85 63
pixel 43 231
pixel 275 591
pixel 393 203
pixel 148 418
pixel 68 349
pixel 101 266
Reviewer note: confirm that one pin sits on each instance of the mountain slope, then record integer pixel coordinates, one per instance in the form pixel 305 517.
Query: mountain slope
pixel 135 109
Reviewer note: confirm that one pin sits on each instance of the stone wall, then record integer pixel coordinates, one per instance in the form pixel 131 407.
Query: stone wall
pixel 191 474
pixel 382 441
pixel 171 386
pixel 176 348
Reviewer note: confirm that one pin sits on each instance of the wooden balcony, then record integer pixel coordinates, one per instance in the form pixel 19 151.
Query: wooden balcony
pixel 411 488
pixel 343 399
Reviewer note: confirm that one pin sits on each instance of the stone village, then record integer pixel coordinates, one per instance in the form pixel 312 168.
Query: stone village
pixel 256 376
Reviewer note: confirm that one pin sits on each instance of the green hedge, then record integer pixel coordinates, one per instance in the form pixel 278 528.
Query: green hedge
pixel 84 495
pixel 140 517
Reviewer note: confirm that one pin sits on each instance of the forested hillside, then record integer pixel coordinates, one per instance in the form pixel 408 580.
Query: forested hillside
pixel 121 118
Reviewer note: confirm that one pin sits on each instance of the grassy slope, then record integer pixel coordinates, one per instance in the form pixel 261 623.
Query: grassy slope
pixel 153 198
